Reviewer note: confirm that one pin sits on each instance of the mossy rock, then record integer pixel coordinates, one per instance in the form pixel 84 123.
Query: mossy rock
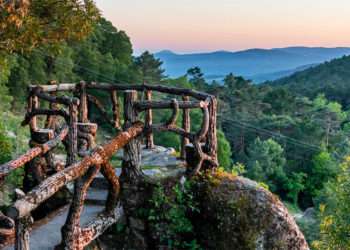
pixel 237 213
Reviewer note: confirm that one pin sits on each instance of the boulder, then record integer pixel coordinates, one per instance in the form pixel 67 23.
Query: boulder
pixel 236 213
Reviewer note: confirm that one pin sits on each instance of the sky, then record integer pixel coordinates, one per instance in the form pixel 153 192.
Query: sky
pixel 187 26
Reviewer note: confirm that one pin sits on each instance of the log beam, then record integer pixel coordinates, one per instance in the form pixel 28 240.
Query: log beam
pixel 6 168
pixel 52 184
pixel 54 87
pixel 96 227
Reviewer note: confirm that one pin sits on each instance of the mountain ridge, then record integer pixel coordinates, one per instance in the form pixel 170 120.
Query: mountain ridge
pixel 331 77
pixel 250 63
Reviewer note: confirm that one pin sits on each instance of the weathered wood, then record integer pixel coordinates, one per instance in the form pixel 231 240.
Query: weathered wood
pixel 172 120
pixel 149 121
pixel 131 177
pixel 7 230
pixel 33 103
pixel 123 87
pixel 211 144
pixel 22 233
pixel 49 112
pixel 116 111
pixel 96 227
pixel 83 108
pixel 71 237
pixel 55 87
pixel 131 169
pixel 186 125
pixel 205 124
pixel 163 89
pixel 86 136
pixel 6 168
pixel 145 105
pixel 73 133
pixel 52 184
pixel 113 186
pixel 56 99
pixel 51 119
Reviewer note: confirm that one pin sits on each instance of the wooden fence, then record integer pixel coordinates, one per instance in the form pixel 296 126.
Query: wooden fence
pixel 67 111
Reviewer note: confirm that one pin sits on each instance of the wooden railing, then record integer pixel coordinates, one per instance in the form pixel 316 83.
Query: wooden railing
pixel 67 122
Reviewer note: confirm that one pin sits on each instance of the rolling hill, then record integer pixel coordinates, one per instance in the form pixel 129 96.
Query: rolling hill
pixel 331 78
pixel 256 64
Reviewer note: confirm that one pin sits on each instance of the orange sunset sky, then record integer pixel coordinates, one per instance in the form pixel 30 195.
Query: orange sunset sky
pixel 207 25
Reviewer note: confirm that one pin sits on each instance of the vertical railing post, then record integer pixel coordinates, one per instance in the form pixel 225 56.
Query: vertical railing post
pixel 148 121
pixel 51 119
pixel 33 103
pixel 131 196
pixel 22 228
pixel 116 113
pixel 22 233
pixel 186 125
pixel 83 106
pixel 73 131
pixel 132 151
pixel 211 142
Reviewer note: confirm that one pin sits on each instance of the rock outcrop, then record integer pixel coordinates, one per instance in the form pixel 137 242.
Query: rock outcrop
pixel 236 213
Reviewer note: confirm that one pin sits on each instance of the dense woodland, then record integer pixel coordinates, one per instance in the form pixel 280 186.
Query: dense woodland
pixel 291 135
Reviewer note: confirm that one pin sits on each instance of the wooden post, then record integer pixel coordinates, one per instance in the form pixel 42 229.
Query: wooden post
pixel 148 121
pixel 36 169
pixel 131 179
pixel 33 103
pixel 83 107
pixel 51 119
pixel 116 113
pixel 22 233
pixel 71 229
pixel 186 125
pixel 132 151
pixel 211 143
pixel 73 132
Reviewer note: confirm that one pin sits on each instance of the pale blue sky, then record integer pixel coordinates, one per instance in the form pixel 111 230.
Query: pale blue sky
pixel 207 25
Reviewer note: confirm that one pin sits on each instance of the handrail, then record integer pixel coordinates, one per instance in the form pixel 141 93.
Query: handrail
pixel 78 137
pixel 52 184
pixel 6 168
pixel 118 86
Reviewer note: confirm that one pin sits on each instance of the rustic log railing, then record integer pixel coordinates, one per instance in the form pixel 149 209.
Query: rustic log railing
pixel 67 122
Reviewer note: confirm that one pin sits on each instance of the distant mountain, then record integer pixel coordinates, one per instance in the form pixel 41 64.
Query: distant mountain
pixel 279 74
pixel 256 64
pixel 331 78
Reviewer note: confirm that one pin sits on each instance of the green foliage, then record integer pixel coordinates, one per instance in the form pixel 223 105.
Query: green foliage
pixel 5 98
pixel 67 62
pixel 323 169
pixel 6 146
pixel 167 139
pixel 330 78
pixel 224 151
pixel 168 213
pixel 266 163
pixel 29 24
pixel 149 68
pixel 335 214
pixel 294 185
pixel 196 77
pixel 238 169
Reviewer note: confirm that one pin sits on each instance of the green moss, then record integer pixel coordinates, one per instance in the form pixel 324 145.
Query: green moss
pixel 168 216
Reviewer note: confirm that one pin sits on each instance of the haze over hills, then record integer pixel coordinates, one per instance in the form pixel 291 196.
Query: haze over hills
pixel 256 64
